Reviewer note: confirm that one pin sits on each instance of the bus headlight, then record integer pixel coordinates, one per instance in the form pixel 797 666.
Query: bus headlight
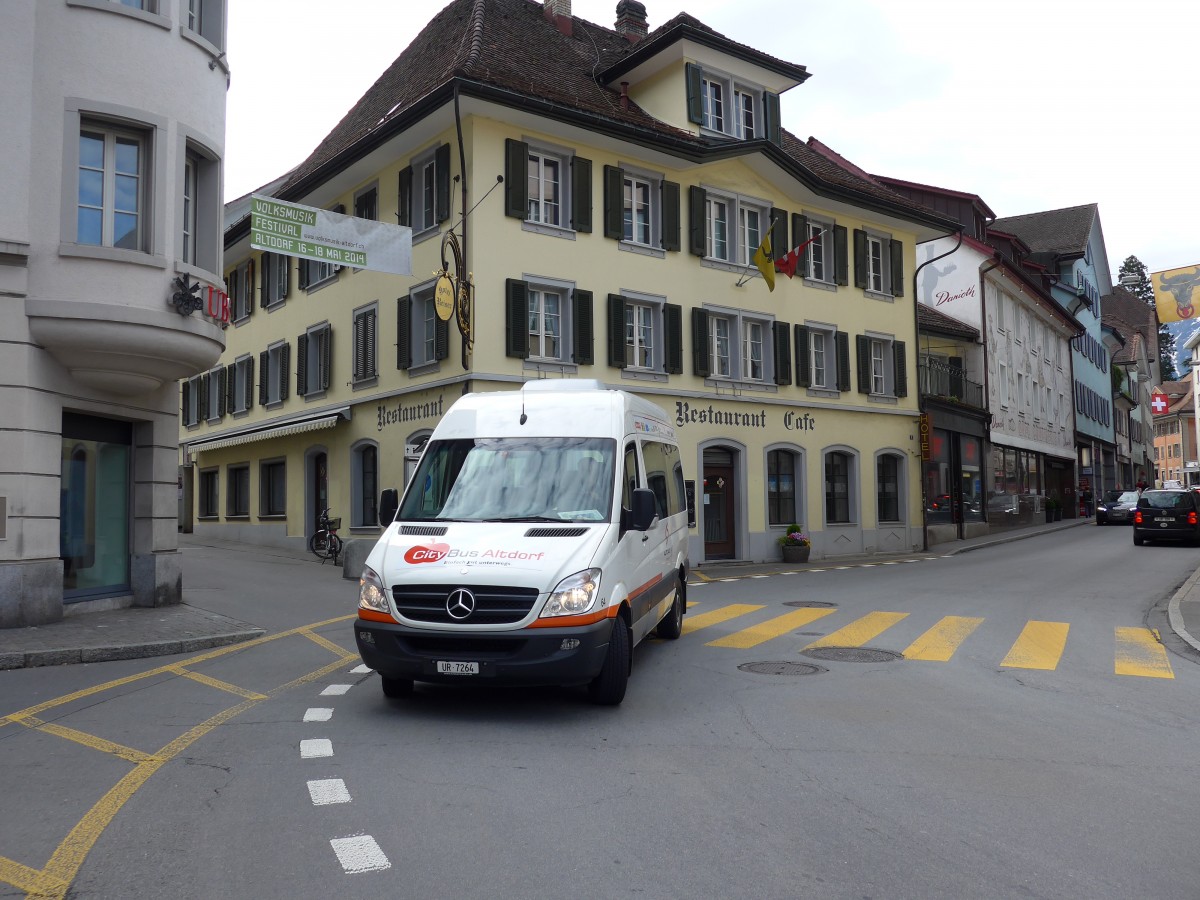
pixel 575 594
pixel 371 594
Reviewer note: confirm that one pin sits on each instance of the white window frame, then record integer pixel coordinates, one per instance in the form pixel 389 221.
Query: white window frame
pixel 312 386
pixel 822 374
pixel 818 263
pixel 241 375
pixel 204 22
pixel 215 394
pixel 192 389
pixel 275 269
pixel 240 290
pixel 723 103
pixel 191 180
pixel 745 111
pixel 714 93
pixel 641 335
pixel 738 214
pixel 879 366
pixel 543 211
pixel 877 264
pixel 738 332
pixel 275 373
pixel 424 193
pixel 631 206
pixel 540 336
pixel 109 136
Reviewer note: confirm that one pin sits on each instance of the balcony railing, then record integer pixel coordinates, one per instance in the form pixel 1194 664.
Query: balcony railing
pixel 949 383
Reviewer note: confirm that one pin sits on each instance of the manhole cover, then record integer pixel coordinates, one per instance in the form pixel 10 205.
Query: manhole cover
pixel 782 667
pixel 810 604
pixel 852 654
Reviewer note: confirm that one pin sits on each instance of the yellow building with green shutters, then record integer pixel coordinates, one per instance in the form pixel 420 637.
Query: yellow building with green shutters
pixel 608 192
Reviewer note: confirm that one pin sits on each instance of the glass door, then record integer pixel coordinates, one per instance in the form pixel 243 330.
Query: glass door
pixel 94 506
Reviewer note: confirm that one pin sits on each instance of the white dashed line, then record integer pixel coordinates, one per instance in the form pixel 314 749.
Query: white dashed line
pixel 335 690
pixel 316 748
pixel 359 853
pixel 328 791
pixel 317 714
pixel 361 670
pixel 760 576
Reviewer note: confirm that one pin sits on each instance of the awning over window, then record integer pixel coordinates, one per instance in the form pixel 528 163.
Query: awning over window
pixel 298 426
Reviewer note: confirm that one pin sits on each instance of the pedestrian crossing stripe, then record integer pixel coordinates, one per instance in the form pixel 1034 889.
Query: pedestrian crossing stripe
pixel 1040 645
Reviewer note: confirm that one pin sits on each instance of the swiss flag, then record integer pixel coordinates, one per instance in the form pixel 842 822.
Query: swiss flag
pixel 1158 403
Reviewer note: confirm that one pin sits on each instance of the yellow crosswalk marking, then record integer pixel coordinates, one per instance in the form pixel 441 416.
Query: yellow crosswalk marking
pixel 940 641
pixel 1138 653
pixel 860 631
pixel 1040 646
pixel 755 635
pixel 717 616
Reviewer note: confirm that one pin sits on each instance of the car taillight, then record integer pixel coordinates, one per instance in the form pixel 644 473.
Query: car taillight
pixel 1192 517
pixel 1137 517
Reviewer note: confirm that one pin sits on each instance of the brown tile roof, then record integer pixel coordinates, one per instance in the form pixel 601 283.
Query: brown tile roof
pixel 1060 231
pixel 509 51
pixel 929 319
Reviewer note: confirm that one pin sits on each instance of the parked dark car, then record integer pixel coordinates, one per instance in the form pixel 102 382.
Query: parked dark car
pixel 1119 509
pixel 1167 515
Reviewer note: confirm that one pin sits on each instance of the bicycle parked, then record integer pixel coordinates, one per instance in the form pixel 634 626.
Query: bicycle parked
pixel 325 543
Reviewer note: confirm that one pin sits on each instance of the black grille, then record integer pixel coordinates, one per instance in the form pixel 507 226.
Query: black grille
pixel 465 647
pixel 555 532
pixel 426 530
pixel 493 605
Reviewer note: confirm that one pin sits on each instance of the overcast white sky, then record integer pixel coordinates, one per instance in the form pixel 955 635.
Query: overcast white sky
pixel 1031 104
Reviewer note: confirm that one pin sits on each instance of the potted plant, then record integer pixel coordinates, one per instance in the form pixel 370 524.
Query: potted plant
pixel 1051 507
pixel 795 544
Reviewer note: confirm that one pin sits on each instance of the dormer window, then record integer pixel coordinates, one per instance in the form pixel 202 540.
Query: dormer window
pixel 721 104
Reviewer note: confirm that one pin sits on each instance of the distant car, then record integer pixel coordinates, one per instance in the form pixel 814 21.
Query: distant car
pixel 1119 509
pixel 1167 515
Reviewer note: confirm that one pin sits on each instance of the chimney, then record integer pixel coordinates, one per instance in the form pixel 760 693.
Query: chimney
pixel 631 20
pixel 559 12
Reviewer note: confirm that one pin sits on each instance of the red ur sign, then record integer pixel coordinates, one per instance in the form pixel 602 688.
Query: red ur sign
pixel 1158 403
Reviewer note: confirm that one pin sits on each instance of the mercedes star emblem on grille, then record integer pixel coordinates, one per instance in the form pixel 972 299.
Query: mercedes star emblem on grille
pixel 460 604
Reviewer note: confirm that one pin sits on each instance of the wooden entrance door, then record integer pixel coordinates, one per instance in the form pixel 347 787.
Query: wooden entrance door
pixel 718 511
pixel 320 487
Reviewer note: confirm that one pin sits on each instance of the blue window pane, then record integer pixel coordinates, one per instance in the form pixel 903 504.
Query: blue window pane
pixel 91 188
pixel 90 227
pixel 127 194
pixel 91 150
pixel 125 231
pixel 127 156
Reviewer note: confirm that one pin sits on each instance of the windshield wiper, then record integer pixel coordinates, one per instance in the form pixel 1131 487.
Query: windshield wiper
pixel 526 519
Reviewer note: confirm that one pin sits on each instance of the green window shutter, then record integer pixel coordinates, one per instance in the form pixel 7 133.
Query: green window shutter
pixel 441 167
pixel 783 352
pixel 264 368
pixel 862 346
pixel 840 262
pixel 771 118
pixel 843 360
pixel 584 336
pixel 616 331
pixel 900 365
pixel 441 338
pixel 614 202
pixel 799 236
pixel 516 178
pixel 516 318
pixel 203 397
pixel 897 261
pixel 700 355
pixel 268 263
pixel 302 273
pixel 670 215
pixel 673 338
pixel 697 197
pixel 185 391
pixel 228 382
pixel 779 233
pixel 284 264
pixel 404 332
pixel 302 365
pixel 285 370
pixel 803 366
pixel 403 201
pixel 695 102
pixel 581 194
pixel 860 258
pixel 360 348
pixel 249 387
pixel 250 284
pixel 325 343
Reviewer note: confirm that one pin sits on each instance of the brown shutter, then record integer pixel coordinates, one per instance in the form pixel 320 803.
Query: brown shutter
pixel 695 102
pixel 264 368
pixel 783 352
pixel 697 197
pixel 900 369
pixel 803 366
pixel 701 362
pixel 614 202
pixel 673 338
pixel 862 346
pixel 285 370
pixel 771 116
pixel 840 262
pixel 670 215
pixel 248 396
pixel 516 178
pixel 779 233
pixel 860 258
pixel 584 337
pixel 404 332
pixel 843 360
pixel 799 236
pixel 616 331
pixel 516 318
pixel 897 261
pixel 302 365
pixel 581 194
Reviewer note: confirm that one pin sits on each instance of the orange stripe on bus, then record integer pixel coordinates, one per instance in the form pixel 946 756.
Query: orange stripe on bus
pixel 568 621
pixel 372 616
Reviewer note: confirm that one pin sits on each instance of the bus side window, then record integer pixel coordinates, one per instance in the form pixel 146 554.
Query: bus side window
pixel 630 481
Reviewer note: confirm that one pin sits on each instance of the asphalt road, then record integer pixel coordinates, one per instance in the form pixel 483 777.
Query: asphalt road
pixel 1001 723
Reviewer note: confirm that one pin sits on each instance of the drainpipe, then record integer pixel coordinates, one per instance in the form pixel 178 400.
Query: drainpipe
pixel 462 168
pixel 920 391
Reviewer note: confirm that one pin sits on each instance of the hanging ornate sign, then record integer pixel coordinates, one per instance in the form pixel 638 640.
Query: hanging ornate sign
pixel 453 290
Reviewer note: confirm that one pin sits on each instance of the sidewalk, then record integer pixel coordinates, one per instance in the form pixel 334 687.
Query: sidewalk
pixel 138 632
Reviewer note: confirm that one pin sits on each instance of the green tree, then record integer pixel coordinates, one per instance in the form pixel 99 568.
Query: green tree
pixel 1134 278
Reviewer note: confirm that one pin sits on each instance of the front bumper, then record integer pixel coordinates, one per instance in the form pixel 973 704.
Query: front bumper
pixel 571 655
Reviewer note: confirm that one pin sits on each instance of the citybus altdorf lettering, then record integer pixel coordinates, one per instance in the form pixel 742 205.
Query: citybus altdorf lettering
pixel 410 412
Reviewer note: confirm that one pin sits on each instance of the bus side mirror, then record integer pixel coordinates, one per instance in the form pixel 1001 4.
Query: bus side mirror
pixel 389 502
pixel 645 509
